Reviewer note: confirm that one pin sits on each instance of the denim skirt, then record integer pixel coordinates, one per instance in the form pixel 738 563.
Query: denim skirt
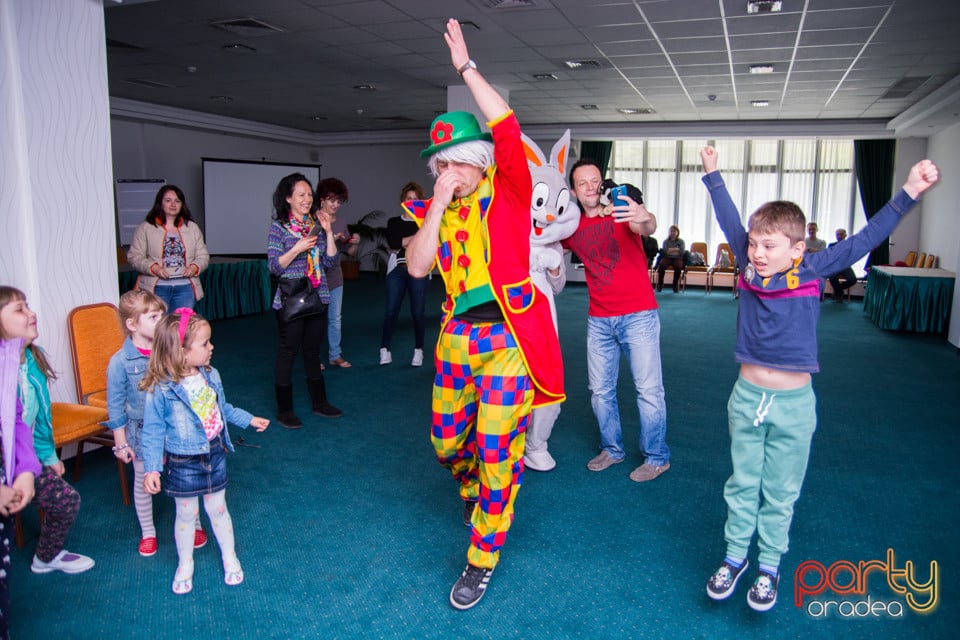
pixel 187 476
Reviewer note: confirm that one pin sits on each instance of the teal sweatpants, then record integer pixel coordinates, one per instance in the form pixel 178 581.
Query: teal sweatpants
pixel 770 434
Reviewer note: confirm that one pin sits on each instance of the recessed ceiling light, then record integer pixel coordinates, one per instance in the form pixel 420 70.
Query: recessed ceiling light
pixel 580 64
pixel 589 107
pixel 634 112
pixel 761 68
pixel 318 117
pixel 221 98
pixel 544 76
pixel 759 103
pixel 763 6
pixel 364 87
pixel 236 47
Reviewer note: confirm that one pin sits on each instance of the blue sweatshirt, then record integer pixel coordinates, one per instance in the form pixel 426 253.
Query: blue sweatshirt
pixel 777 322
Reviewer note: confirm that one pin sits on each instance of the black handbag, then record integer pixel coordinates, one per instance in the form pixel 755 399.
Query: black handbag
pixel 298 299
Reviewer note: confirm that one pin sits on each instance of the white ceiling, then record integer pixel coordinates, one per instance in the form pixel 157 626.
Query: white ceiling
pixel 833 59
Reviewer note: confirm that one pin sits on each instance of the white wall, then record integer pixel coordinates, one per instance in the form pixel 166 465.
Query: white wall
pixel 940 233
pixel 56 204
pixel 906 237
pixel 374 173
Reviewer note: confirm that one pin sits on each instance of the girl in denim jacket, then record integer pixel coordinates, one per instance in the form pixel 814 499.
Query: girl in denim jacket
pixel 139 313
pixel 185 419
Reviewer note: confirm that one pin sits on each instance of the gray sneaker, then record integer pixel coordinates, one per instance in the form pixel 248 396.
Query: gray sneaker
pixel 647 471
pixel 603 461
pixel 63 561
pixel 470 587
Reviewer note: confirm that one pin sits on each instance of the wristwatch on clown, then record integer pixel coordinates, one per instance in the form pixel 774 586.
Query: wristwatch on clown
pixel 469 64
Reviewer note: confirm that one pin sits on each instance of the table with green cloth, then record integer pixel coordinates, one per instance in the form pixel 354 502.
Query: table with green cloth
pixel 909 299
pixel 231 287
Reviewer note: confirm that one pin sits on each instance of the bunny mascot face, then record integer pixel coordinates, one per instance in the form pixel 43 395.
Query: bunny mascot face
pixel 553 210
pixel 555 216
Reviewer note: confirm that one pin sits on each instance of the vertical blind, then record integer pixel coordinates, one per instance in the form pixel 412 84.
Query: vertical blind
pixel 817 174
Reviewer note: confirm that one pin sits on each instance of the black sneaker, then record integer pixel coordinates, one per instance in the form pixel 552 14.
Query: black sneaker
pixel 722 584
pixel 468 508
pixel 470 587
pixel 763 594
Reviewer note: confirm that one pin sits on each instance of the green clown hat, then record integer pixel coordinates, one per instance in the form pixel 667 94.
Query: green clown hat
pixel 453 128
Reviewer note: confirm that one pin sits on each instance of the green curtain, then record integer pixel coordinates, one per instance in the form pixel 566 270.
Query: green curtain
pixel 873 160
pixel 598 151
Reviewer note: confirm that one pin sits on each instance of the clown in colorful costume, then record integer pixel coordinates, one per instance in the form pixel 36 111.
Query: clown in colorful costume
pixel 498 354
pixel 484 257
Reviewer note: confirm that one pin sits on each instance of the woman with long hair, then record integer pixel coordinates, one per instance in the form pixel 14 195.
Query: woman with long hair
pixel 295 249
pixel 169 252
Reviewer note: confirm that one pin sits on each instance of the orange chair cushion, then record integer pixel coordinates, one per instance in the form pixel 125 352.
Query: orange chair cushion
pixel 98 399
pixel 74 422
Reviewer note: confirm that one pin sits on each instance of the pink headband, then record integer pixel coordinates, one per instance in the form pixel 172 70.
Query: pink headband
pixel 184 321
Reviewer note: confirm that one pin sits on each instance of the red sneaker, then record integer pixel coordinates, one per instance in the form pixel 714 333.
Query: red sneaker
pixel 199 539
pixel 147 547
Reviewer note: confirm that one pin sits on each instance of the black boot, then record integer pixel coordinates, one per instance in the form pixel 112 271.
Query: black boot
pixel 318 398
pixel 285 415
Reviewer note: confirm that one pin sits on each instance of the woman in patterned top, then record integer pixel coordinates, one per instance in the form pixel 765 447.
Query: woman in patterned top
pixel 294 252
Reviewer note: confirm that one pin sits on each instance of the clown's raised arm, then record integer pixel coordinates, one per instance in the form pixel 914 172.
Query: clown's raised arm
pixel 491 104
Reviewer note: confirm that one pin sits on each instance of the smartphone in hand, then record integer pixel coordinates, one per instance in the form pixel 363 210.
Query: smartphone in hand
pixel 315 230
pixel 616 195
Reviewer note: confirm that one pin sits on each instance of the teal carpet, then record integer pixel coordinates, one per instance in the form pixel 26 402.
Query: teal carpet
pixel 350 529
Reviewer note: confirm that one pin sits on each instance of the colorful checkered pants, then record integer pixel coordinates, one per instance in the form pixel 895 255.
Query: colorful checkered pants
pixel 482 398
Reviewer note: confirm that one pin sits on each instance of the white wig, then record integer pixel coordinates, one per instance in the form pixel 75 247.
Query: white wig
pixel 478 153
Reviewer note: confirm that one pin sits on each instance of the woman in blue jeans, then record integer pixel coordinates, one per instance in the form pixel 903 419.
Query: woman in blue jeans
pixel 169 252
pixel 399 232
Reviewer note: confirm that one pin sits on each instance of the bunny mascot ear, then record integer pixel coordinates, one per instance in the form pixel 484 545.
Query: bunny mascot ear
pixel 535 157
pixel 560 154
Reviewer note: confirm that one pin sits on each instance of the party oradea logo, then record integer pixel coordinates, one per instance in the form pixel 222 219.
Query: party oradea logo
pixel 859 590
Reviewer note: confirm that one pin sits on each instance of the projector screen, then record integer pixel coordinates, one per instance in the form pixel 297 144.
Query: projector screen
pixel 237 202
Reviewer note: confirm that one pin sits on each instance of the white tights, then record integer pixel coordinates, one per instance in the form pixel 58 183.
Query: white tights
pixel 143 503
pixel 188 511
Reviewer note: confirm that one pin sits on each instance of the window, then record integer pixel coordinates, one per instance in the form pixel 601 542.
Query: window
pixel 817 174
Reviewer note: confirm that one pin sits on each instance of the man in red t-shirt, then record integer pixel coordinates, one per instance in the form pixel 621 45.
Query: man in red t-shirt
pixel 622 318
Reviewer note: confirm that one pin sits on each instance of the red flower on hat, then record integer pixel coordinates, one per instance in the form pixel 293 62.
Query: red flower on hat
pixel 442 132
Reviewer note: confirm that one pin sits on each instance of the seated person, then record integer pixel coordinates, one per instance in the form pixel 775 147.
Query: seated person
pixel 848 275
pixel 671 255
pixel 814 243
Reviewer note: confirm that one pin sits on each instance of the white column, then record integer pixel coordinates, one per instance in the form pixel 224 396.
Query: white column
pixel 57 228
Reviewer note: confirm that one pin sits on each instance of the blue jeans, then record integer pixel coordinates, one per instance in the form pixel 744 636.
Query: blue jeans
pixel 398 283
pixel 180 296
pixel 333 321
pixel 636 335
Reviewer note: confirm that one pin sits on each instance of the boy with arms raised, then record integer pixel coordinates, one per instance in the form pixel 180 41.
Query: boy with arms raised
pixel 772 409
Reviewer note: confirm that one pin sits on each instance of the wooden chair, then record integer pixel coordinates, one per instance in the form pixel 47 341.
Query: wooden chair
pixel 931 260
pixel 701 248
pixel 920 260
pixel 725 273
pixel 911 258
pixel 95 335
